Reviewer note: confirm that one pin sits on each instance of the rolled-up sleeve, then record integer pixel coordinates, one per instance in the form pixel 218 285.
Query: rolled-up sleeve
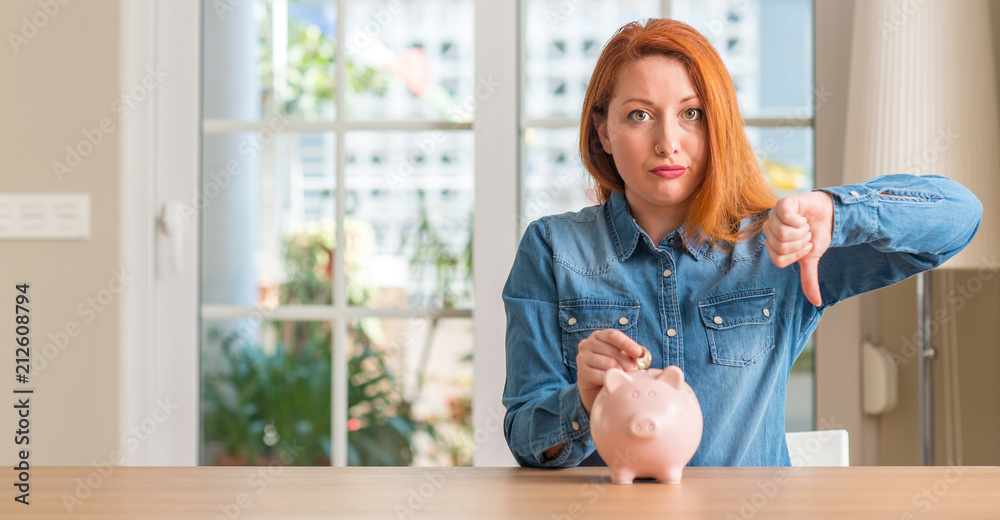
pixel 540 395
pixel 892 227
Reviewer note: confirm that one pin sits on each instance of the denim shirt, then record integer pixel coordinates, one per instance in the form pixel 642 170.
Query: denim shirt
pixel 596 269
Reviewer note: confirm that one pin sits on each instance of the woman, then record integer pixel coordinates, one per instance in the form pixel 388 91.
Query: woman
pixel 674 260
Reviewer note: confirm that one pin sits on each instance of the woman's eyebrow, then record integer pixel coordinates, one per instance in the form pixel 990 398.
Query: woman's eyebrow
pixel 637 100
pixel 648 102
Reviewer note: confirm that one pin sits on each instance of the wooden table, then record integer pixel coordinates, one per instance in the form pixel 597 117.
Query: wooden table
pixel 397 493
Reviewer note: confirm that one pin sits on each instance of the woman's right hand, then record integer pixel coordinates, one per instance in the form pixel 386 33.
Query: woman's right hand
pixel 600 352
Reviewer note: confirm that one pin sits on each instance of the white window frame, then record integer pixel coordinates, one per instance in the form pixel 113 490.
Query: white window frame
pixel 159 341
pixel 161 158
pixel 162 148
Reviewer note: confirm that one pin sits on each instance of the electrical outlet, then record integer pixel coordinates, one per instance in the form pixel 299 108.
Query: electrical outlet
pixel 44 216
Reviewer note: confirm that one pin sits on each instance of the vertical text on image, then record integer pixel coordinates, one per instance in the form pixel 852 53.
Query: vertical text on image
pixel 22 369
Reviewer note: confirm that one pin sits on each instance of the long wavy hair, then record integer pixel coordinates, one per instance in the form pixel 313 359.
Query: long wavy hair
pixel 734 186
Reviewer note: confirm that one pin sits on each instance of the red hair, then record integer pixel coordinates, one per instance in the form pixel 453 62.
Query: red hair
pixel 734 186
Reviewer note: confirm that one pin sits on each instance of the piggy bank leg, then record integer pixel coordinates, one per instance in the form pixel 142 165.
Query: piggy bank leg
pixel 672 475
pixel 622 475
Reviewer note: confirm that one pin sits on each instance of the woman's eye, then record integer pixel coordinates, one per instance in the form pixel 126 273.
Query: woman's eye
pixel 638 115
pixel 692 114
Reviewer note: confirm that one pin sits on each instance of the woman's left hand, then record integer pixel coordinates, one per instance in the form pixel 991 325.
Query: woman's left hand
pixel 799 229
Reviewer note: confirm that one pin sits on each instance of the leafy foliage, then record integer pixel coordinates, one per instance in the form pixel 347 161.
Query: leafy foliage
pixel 309 77
pixel 452 269
pixel 268 384
pixel 253 398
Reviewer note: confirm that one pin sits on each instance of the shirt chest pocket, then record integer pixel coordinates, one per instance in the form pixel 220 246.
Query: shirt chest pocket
pixel 740 326
pixel 579 318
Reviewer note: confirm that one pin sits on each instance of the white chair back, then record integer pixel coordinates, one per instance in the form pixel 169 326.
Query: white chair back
pixel 818 448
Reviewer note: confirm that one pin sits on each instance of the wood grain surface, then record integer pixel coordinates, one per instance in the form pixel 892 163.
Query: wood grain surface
pixel 229 493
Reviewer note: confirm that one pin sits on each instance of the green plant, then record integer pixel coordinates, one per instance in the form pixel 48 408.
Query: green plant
pixel 452 270
pixel 382 425
pixel 254 398
pixel 309 83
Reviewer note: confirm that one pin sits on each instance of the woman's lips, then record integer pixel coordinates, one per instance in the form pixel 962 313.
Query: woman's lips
pixel 669 171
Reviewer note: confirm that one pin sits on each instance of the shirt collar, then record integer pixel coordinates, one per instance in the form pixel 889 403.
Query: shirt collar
pixel 626 232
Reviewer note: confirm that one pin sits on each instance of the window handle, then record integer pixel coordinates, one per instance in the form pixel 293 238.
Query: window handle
pixel 171 225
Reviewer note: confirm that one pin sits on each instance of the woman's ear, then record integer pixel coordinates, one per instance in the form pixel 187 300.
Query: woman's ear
pixel 601 125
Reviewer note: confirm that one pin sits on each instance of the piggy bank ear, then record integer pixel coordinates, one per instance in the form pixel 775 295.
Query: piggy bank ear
pixel 614 378
pixel 673 376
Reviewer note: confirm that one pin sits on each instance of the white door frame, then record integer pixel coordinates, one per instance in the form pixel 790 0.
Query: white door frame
pixel 159 398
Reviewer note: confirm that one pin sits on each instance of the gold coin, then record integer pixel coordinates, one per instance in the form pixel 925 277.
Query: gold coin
pixel 645 359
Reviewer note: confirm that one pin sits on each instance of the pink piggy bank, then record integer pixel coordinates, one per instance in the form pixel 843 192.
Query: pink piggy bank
pixel 646 423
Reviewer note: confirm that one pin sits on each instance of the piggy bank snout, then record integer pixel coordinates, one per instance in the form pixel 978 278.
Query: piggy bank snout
pixel 643 426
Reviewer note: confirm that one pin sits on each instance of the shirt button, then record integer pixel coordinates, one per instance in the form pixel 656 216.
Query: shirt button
pixel 671 332
pixel 623 321
pixel 575 425
pixel 666 273
pixel 717 320
pixel 855 194
pixel 767 313
pixel 571 321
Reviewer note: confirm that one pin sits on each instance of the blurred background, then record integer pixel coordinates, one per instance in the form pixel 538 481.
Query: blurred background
pixel 319 201
pixel 408 200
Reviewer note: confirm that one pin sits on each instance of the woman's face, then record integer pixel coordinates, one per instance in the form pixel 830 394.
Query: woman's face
pixel 655 132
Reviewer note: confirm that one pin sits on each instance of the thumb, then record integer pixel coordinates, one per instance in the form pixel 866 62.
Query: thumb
pixel 810 279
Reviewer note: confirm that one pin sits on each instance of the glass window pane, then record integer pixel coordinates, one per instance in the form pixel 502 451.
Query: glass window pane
pixel 766 46
pixel 234 78
pixel 267 208
pixel 269 55
pixel 266 392
pixel 410 392
pixel 555 180
pixel 411 60
pixel 409 208
pixel 562 42
pixel 786 51
pixel 787 156
pixel 301 58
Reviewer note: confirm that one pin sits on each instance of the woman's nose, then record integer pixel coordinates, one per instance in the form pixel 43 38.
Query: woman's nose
pixel 668 140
